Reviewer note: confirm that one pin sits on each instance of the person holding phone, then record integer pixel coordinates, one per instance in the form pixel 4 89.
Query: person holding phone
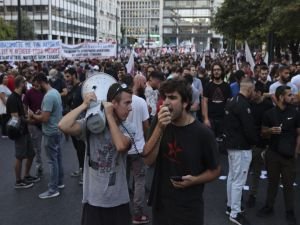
pixel 185 155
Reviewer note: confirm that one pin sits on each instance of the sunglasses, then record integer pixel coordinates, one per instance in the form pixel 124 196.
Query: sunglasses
pixel 122 87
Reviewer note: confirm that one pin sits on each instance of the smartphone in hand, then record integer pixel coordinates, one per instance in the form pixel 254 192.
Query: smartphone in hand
pixel 176 178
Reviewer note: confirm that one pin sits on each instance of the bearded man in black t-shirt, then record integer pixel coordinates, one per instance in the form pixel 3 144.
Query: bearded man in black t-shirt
pixel 215 95
pixel 73 100
pixel 185 153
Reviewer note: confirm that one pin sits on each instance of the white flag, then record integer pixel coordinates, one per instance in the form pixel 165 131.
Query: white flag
pixel 237 64
pixel 249 57
pixel 130 64
pixel 203 61
pixel 266 58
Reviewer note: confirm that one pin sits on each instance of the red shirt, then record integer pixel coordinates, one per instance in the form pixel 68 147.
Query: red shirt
pixel 11 82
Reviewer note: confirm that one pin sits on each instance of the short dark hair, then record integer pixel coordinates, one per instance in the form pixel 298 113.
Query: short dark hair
pixel 157 75
pixel 72 71
pixel 238 75
pixel 283 67
pixel 115 90
pixel 179 85
pixel 259 87
pixel 264 67
pixel 19 80
pixel 280 91
pixel 41 77
pixel 2 77
pixel 188 79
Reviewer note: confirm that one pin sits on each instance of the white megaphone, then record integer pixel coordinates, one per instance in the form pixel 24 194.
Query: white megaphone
pixel 98 83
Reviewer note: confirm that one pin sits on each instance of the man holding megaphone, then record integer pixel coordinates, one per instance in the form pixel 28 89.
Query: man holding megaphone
pixel 105 192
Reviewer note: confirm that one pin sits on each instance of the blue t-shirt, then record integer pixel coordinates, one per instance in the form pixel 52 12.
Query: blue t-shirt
pixel 235 89
pixel 52 103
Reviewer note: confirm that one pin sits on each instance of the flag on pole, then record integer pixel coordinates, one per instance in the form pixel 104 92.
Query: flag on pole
pixel 266 58
pixel 130 64
pixel 203 61
pixel 249 57
pixel 236 64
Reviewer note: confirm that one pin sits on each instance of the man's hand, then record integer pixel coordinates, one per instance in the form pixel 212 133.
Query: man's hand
pixel 207 123
pixel 275 130
pixel 108 108
pixel 88 98
pixel 164 117
pixel 30 113
pixel 187 181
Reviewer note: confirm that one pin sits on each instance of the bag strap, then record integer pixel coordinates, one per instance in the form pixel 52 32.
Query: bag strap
pixel 88 134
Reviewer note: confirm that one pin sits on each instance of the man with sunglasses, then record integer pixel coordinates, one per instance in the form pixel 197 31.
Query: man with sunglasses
pixel 105 189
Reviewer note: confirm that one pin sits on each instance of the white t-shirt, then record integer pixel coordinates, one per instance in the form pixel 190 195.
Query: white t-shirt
pixel 4 89
pixel 151 98
pixel 274 86
pixel 296 80
pixel 136 117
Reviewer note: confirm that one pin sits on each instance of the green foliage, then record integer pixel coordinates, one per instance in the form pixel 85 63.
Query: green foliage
pixel 7 31
pixel 27 28
pixel 254 19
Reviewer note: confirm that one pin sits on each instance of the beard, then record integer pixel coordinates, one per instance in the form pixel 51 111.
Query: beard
pixel 43 90
pixel 217 77
pixel 285 80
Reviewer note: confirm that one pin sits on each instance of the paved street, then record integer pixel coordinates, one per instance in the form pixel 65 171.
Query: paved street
pixel 23 207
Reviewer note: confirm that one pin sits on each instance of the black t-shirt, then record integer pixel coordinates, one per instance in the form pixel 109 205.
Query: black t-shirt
pixel 217 95
pixel 14 104
pixel 188 150
pixel 74 98
pixel 289 120
pixel 58 84
pixel 265 87
pixel 257 111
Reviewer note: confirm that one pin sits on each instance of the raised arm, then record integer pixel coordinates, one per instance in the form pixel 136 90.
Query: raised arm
pixel 68 123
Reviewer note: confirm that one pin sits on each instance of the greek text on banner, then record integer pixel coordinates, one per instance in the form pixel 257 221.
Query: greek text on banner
pixel 44 50
pixel 89 50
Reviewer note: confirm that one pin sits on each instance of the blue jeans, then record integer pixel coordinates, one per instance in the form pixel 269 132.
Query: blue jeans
pixel 52 147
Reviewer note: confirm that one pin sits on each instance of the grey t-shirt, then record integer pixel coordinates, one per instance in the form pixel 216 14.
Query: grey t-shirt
pixel 52 103
pixel 96 188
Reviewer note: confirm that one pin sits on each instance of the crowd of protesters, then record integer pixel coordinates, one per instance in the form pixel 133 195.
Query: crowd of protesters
pixel 168 111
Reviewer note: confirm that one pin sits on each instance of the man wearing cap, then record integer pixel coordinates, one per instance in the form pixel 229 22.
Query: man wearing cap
pixel 105 189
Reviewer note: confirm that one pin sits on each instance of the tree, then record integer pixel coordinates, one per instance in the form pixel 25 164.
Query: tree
pixel 27 28
pixel 236 19
pixel 7 31
pixel 255 20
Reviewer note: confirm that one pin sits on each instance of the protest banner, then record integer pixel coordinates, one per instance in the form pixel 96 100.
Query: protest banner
pixel 89 50
pixel 40 50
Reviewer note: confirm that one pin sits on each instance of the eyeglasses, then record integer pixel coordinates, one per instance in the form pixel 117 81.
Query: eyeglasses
pixel 217 69
pixel 122 87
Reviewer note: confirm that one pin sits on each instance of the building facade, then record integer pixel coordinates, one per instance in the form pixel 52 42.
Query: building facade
pixel 141 21
pixel 108 20
pixel 187 22
pixel 72 21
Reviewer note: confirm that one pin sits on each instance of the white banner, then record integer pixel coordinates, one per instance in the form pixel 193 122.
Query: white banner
pixel 44 50
pixel 89 50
